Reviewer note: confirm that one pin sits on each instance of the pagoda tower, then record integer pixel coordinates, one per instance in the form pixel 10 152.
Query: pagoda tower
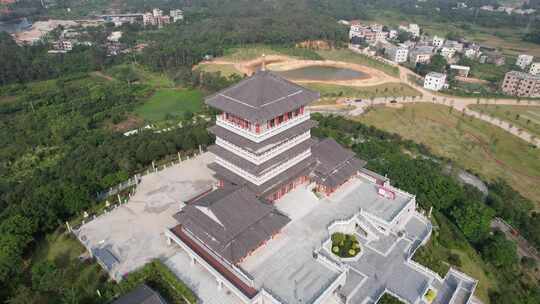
pixel 263 137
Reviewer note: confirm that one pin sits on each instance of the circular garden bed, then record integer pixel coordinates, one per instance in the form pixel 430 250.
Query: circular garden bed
pixel 345 245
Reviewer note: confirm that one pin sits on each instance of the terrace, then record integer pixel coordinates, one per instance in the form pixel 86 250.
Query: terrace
pixel 285 266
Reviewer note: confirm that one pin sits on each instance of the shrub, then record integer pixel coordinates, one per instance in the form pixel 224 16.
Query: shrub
pixel 454 259
pixel 345 245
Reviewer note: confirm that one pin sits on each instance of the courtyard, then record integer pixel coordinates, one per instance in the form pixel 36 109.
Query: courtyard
pixel 132 234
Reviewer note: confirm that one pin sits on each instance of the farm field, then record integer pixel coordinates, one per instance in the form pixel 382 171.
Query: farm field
pixel 473 144
pixel 525 117
pixel 169 103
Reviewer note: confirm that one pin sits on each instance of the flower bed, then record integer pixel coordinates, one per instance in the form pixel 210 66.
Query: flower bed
pixel 345 245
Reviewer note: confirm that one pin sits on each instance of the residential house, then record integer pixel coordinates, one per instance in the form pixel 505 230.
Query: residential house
pixel 461 70
pixel 435 81
pixel 524 60
pixel 535 68
pixel 176 15
pixel 421 54
pixel 397 54
pixel 448 52
pixel 437 41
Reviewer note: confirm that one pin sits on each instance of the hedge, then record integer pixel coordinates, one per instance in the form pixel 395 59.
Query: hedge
pixel 156 275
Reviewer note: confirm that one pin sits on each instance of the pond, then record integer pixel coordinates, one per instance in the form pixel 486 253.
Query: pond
pixel 322 73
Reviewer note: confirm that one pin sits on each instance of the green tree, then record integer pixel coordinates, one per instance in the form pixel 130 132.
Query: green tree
pixel 500 251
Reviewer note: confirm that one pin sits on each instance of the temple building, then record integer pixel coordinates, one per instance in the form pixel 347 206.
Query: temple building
pixel 263 135
pixel 264 229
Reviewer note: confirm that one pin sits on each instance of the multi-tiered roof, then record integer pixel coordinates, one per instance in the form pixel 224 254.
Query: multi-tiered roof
pixel 262 97
pixel 260 114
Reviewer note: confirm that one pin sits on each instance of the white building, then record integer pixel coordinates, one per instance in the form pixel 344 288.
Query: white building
pixel 115 36
pixel 448 52
pixel 524 60
pixel 414 29
pixel 397 54
pixel 157 12
pixel 472 52
pixel 435 81
pixel 177 15
pixel 376 27
pixel 535 68
pixel 461 70
pixel 437 41
pixel 392 34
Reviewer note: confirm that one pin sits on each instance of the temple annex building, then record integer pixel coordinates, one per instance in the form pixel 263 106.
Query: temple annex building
pixel 264 229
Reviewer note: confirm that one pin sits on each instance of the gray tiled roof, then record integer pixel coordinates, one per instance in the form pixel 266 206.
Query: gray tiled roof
pixel 302 168
pixel 231 221
pixel 334 164
pixel 141 295
pixel 267 165
pixel 254 147
pixel 261 97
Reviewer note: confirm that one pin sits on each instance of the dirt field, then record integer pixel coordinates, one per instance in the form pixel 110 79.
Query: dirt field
pixel 285 63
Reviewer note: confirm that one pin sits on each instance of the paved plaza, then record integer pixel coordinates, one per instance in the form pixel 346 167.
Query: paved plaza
pixel 285 265
pixel 134 232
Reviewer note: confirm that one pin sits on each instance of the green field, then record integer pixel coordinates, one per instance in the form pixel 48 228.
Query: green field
pixel 141 75
pixel 383 90
pixel 169 103
pixel 225 69
pixel 250 52
pixel 473 144
pixel 525 117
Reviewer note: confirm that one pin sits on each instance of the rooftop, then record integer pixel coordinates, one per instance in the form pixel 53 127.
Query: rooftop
pixel 523 75
pixel 261 97
pixel 334 164
pixel 436 75
pixel 141 295
pixel 232 221
pixel 285 266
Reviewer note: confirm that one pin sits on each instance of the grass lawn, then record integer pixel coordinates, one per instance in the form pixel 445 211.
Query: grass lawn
pixel 384 90
pixel 472 144
pixel 225 69
pixel 347 55
pixel 525 117
pixel 170 102
pixel 152 79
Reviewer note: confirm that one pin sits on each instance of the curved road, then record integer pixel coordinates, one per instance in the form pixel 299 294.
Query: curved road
pixel 460 104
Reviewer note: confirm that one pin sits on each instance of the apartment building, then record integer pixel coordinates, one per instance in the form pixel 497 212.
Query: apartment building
pixel 421 54
pixel 397 54
pixel 535 68
pixel 517 83
pixel 524 60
